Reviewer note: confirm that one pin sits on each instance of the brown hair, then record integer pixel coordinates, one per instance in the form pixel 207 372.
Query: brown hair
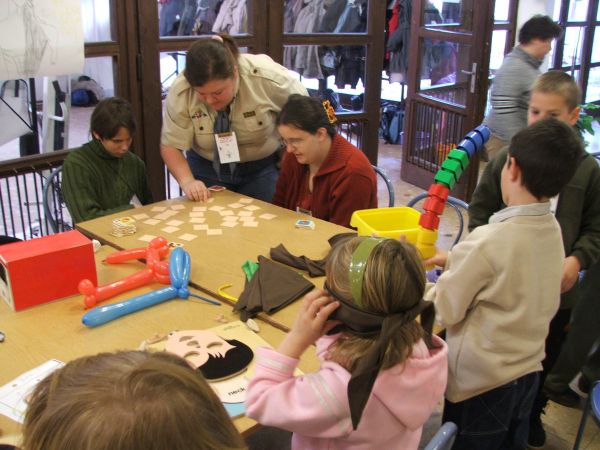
pixel 548 153
pixel 127 401
pixel 393 281
pixel 211 59
pixel 559 83
pixel 110 115
pixel 306 114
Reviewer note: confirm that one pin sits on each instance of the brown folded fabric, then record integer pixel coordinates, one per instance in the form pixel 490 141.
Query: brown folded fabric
pixel 314 267
pixel 272 287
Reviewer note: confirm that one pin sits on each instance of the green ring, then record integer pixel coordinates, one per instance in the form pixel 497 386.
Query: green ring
pixel 358 263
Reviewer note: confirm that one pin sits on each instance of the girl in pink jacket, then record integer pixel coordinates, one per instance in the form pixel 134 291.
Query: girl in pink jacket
pixel 381 374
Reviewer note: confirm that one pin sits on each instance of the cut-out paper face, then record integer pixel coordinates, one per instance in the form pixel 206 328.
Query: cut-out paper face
pixel 215 357
pixel 196 346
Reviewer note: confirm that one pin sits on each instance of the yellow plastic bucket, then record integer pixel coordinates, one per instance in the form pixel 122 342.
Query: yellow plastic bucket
pixel 388 222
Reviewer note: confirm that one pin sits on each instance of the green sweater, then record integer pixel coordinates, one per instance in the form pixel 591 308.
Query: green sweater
pixel 577 211
pixel 95 183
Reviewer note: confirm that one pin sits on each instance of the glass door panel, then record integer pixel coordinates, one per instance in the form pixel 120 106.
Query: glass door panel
pixel 445 71
pixel 96 19
pixel 202 17
pixel 572 46
pixel 454 15
pixel 325 17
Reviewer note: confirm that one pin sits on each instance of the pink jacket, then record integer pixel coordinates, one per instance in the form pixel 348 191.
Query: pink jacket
pixel 315 406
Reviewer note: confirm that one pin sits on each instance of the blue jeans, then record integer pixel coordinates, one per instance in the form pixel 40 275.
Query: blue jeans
pixel 497 419
pixel 254 178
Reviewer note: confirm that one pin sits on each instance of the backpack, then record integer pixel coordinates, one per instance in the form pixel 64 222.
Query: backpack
pixel 391 122
pixel 81 97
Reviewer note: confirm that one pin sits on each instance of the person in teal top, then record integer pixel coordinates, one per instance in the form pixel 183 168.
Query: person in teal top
pixel 103 177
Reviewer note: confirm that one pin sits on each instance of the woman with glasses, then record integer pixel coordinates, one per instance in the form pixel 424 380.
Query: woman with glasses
pixel 322 174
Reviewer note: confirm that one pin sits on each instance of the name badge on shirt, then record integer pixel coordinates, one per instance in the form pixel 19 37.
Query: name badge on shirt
pixel 227 147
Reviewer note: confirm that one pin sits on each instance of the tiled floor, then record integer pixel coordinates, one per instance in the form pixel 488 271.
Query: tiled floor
pixel 561 423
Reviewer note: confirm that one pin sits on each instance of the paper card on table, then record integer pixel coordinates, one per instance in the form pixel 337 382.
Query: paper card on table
pixel 229 224
pixel 214 231
pixel 175 223
pixel 245 200
pixel 13 395
pixel 146 238
pixel 170 229
pixel 158 208
pixel 232 391
pixel 235 205
pixel 216 208
pixel 140 216
pixel 196 214
pixel 162 216
pixel 227 212
pixel 199 208
pixel 197 220
pixel 247 219
pixel 249 224
pixel 177 207
pixel 151 221
pixel 251 207
pixel 245 213
pixel 231 218
pixel 267 216
pixel 200 227
pixel 188 237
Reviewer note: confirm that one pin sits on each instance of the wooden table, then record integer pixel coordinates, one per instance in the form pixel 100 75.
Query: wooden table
pixel 218 260
pixel 54 330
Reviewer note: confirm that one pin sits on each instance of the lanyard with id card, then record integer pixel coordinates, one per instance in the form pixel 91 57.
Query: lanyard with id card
pixel 227 147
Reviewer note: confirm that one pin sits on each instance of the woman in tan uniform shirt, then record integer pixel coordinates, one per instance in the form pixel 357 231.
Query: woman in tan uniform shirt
pixel 222 90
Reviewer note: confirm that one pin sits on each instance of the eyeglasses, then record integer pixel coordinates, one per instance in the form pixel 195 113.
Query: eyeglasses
pixel 293 142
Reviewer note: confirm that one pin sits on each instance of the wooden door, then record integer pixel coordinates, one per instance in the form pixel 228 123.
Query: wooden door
pixel 447 85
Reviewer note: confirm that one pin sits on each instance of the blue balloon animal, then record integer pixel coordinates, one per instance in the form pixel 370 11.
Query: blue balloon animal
pixel 179 273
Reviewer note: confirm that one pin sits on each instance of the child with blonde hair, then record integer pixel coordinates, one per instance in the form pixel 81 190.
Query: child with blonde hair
pixel 379 379
pixel 127 401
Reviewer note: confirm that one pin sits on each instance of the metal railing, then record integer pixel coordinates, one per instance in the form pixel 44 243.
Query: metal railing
pixel 21 194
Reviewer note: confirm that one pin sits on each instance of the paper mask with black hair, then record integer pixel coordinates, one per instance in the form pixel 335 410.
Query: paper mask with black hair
pixel 215 357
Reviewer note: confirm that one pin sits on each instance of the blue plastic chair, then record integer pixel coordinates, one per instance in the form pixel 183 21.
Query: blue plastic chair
pixel 444 438
pixel 592 404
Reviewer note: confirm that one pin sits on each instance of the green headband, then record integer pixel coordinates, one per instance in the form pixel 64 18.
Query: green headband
pixel 358 263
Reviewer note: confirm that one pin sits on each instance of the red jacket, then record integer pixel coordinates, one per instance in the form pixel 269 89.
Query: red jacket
pixel 345 183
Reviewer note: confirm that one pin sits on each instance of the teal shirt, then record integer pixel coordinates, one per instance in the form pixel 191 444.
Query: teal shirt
pixel 95 183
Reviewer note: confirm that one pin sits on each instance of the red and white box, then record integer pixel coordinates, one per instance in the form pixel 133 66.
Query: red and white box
pixel 45 269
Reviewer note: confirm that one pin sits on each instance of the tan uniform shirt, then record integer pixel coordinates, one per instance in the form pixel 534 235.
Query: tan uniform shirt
pixel 263 88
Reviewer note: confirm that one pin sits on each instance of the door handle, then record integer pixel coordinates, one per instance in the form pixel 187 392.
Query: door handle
pixel 473 75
